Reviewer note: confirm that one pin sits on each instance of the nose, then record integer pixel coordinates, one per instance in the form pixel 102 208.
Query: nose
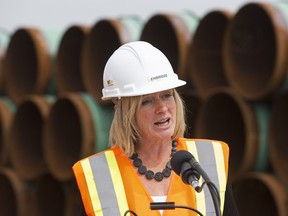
pixel 161 106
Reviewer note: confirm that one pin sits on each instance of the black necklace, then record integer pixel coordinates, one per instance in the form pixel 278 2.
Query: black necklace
pixel 149 174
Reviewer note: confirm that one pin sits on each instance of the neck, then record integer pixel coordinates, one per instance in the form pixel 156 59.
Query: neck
pixel 153 148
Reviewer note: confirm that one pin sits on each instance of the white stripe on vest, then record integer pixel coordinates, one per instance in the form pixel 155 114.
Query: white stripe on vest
pixel 106 187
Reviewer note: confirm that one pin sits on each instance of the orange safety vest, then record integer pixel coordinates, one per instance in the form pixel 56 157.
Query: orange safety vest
pixel 109 185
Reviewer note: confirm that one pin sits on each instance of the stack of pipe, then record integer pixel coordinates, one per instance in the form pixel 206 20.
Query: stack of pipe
pixel 52 114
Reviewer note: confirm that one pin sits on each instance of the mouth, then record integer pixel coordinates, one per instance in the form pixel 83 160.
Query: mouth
pixel 163 122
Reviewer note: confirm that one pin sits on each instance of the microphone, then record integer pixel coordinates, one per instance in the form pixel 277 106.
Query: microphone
pixel 180 163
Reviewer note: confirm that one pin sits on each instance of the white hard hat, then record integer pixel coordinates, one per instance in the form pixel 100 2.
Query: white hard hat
pixel 138 68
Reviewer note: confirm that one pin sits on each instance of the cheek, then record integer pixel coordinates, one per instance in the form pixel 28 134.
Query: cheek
pixel 173 113
pixel 172 109
pixel 142 118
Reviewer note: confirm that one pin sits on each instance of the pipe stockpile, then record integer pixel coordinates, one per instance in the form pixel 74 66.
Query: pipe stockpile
pixel 44 196
pixel 68 60
pixel 77 126
pixel 205 58
pixel 255 51
pixel 4 40
pixel 28 67
pixel 235 65
pixel 12 194
pixel 171 33
pixel 227 116
pixel 193 103
pixel 26 137
pixel 267 196
pixel 105 37
pixel 7 110
pixel 278 147
pixel 52 197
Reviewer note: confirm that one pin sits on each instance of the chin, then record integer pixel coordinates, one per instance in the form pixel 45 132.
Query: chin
pixel 165 136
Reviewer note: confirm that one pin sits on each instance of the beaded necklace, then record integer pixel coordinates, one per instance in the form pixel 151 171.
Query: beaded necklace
pixel 149 174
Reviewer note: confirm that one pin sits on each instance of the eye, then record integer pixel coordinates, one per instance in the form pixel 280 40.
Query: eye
pixel 167 95
pixel 146 101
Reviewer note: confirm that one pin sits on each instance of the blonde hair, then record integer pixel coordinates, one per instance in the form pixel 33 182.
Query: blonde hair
pixel 124 131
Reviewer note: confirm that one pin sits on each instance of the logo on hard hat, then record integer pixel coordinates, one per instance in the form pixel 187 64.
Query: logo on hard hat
pixel 158 77
pixel 110 82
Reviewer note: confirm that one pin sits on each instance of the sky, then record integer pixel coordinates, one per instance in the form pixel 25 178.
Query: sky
pixel 62 13
pixel 59 15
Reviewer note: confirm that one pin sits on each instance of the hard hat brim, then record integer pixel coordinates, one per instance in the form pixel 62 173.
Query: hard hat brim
pixel 153 88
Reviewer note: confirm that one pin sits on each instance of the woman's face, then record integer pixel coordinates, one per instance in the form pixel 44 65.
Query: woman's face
pixel 156 116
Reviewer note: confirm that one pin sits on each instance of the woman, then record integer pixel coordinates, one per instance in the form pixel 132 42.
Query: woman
pixel 146 131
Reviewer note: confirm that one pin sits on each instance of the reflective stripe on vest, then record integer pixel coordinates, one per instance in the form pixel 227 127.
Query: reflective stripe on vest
pixel 106 189
pixel 105 185
pixel 211 159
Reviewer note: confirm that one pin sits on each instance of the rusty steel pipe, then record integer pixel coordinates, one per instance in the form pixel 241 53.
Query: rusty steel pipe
pixel 278 146
pixel 256 50
pixel 226 116
pixel 192 103
pixel 103 39
pixel 260 194
pixel 4 41
pixel 52 197
pixel 69 77
pixel 205 54
pixel 12 194
pixel 29 63
pixel 7 110
pixel 172 33
pixel 77 126
pixel 26 137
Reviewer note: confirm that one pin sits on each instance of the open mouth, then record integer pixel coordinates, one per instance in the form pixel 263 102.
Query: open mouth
pixel 163 122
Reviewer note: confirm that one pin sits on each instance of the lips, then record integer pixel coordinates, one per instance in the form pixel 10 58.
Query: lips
pixel 163 122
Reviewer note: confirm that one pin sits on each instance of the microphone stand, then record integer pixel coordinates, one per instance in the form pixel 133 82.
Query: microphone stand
pixel 130 211
pixel 185 165
pixel 171 205
pixel 212 188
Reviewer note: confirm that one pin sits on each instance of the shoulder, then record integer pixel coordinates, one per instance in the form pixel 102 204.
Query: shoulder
pixel 204 142
pixel 96 155
pixel 206 149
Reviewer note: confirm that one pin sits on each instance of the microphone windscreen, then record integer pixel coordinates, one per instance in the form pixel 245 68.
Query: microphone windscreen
pixel 178 159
